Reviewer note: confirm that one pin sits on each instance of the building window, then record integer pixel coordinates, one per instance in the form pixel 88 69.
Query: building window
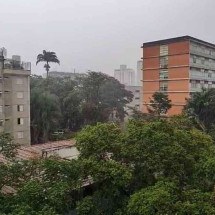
pixel 209 75
pixel 163 50
pixel 1 108
pixel 137 91
pixel 163 74
pixel 203 61
pixel 193 84
pixel 20 95
pixel 20 121
pixel 20 134
pixel 19 81
pixel 194 58
pixel 164 62
pixel 20 108
pixel 163 86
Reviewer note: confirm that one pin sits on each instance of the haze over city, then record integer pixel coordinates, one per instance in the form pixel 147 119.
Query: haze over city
pixel 98 34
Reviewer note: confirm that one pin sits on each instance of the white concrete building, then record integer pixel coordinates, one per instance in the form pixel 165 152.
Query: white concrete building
pixel 125 75
pixel 139 73
pixel 15 98
pixel 137 99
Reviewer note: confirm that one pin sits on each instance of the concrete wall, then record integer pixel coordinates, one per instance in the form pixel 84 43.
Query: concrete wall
pixel 137 99
pixel 16 83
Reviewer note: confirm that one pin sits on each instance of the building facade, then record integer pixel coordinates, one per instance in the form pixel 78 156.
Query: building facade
pixel 178 67
pixel 139 73
pixel 125 75
pixel 15 99
pixel 136 101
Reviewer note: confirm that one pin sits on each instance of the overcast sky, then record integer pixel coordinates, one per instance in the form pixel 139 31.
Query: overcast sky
pixel 98 34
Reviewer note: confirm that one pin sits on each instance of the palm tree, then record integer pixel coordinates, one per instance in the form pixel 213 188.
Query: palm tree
pixel 201 106
pixel 47 57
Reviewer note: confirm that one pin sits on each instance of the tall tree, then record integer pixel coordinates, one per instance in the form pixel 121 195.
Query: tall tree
pixel 201 106
pixel 47 57
pixel 159 104
pixel 45 115
pixel 101 95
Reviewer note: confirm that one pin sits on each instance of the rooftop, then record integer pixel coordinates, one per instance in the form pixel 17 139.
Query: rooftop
pixel 43 150
pixel 177 39
pixel 14 63
pixel 17 65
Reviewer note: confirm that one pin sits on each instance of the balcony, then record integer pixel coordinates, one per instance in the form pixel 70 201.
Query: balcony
pixel 202 66
pixel 201 77
pixel 17 65
pixel 202 54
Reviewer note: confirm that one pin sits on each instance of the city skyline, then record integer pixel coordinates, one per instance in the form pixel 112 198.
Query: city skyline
pixel 98 35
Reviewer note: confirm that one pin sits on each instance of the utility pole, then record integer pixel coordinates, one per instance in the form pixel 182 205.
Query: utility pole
pixel 2 59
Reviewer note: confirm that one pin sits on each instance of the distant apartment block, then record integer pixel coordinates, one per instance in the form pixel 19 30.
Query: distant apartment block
pixel 125 75
pixel 178 67
pixel 136 101
pixel 139 73
pixel 15 98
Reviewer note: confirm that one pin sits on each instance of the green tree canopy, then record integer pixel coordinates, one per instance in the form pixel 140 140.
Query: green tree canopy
pixel 159 104
pixel 201 106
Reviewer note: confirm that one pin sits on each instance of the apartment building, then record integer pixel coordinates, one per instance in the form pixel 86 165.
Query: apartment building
pixel 139 74
pixel 178 67
pixel 15 98
pixel 125 75
pixel 136 101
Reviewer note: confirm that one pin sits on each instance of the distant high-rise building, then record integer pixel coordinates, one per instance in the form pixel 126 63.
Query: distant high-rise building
pixel 139 73
pixel 177 67
pixel 125 75
pixel 15 98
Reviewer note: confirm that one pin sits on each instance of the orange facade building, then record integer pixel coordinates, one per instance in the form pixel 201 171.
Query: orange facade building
pixel 178 67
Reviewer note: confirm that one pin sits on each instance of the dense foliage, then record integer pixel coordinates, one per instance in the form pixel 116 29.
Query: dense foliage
pixel 62 103
pixel 151 167
pixel 201 106
pixel 159 104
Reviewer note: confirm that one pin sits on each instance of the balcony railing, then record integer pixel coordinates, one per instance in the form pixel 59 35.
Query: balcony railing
pixel 17 65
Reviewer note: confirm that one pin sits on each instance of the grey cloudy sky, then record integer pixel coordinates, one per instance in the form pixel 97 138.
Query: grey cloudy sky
pixel 98 34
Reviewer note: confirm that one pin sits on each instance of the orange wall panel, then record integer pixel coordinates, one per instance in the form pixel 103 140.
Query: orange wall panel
pixel 175 110
pixel 179 60
pixel 179 85
pixel 150 74
pixel 151 51
pixel 151 63
pixel 150 86
pixel 179 48
pixel 179 72
pixel 178 98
